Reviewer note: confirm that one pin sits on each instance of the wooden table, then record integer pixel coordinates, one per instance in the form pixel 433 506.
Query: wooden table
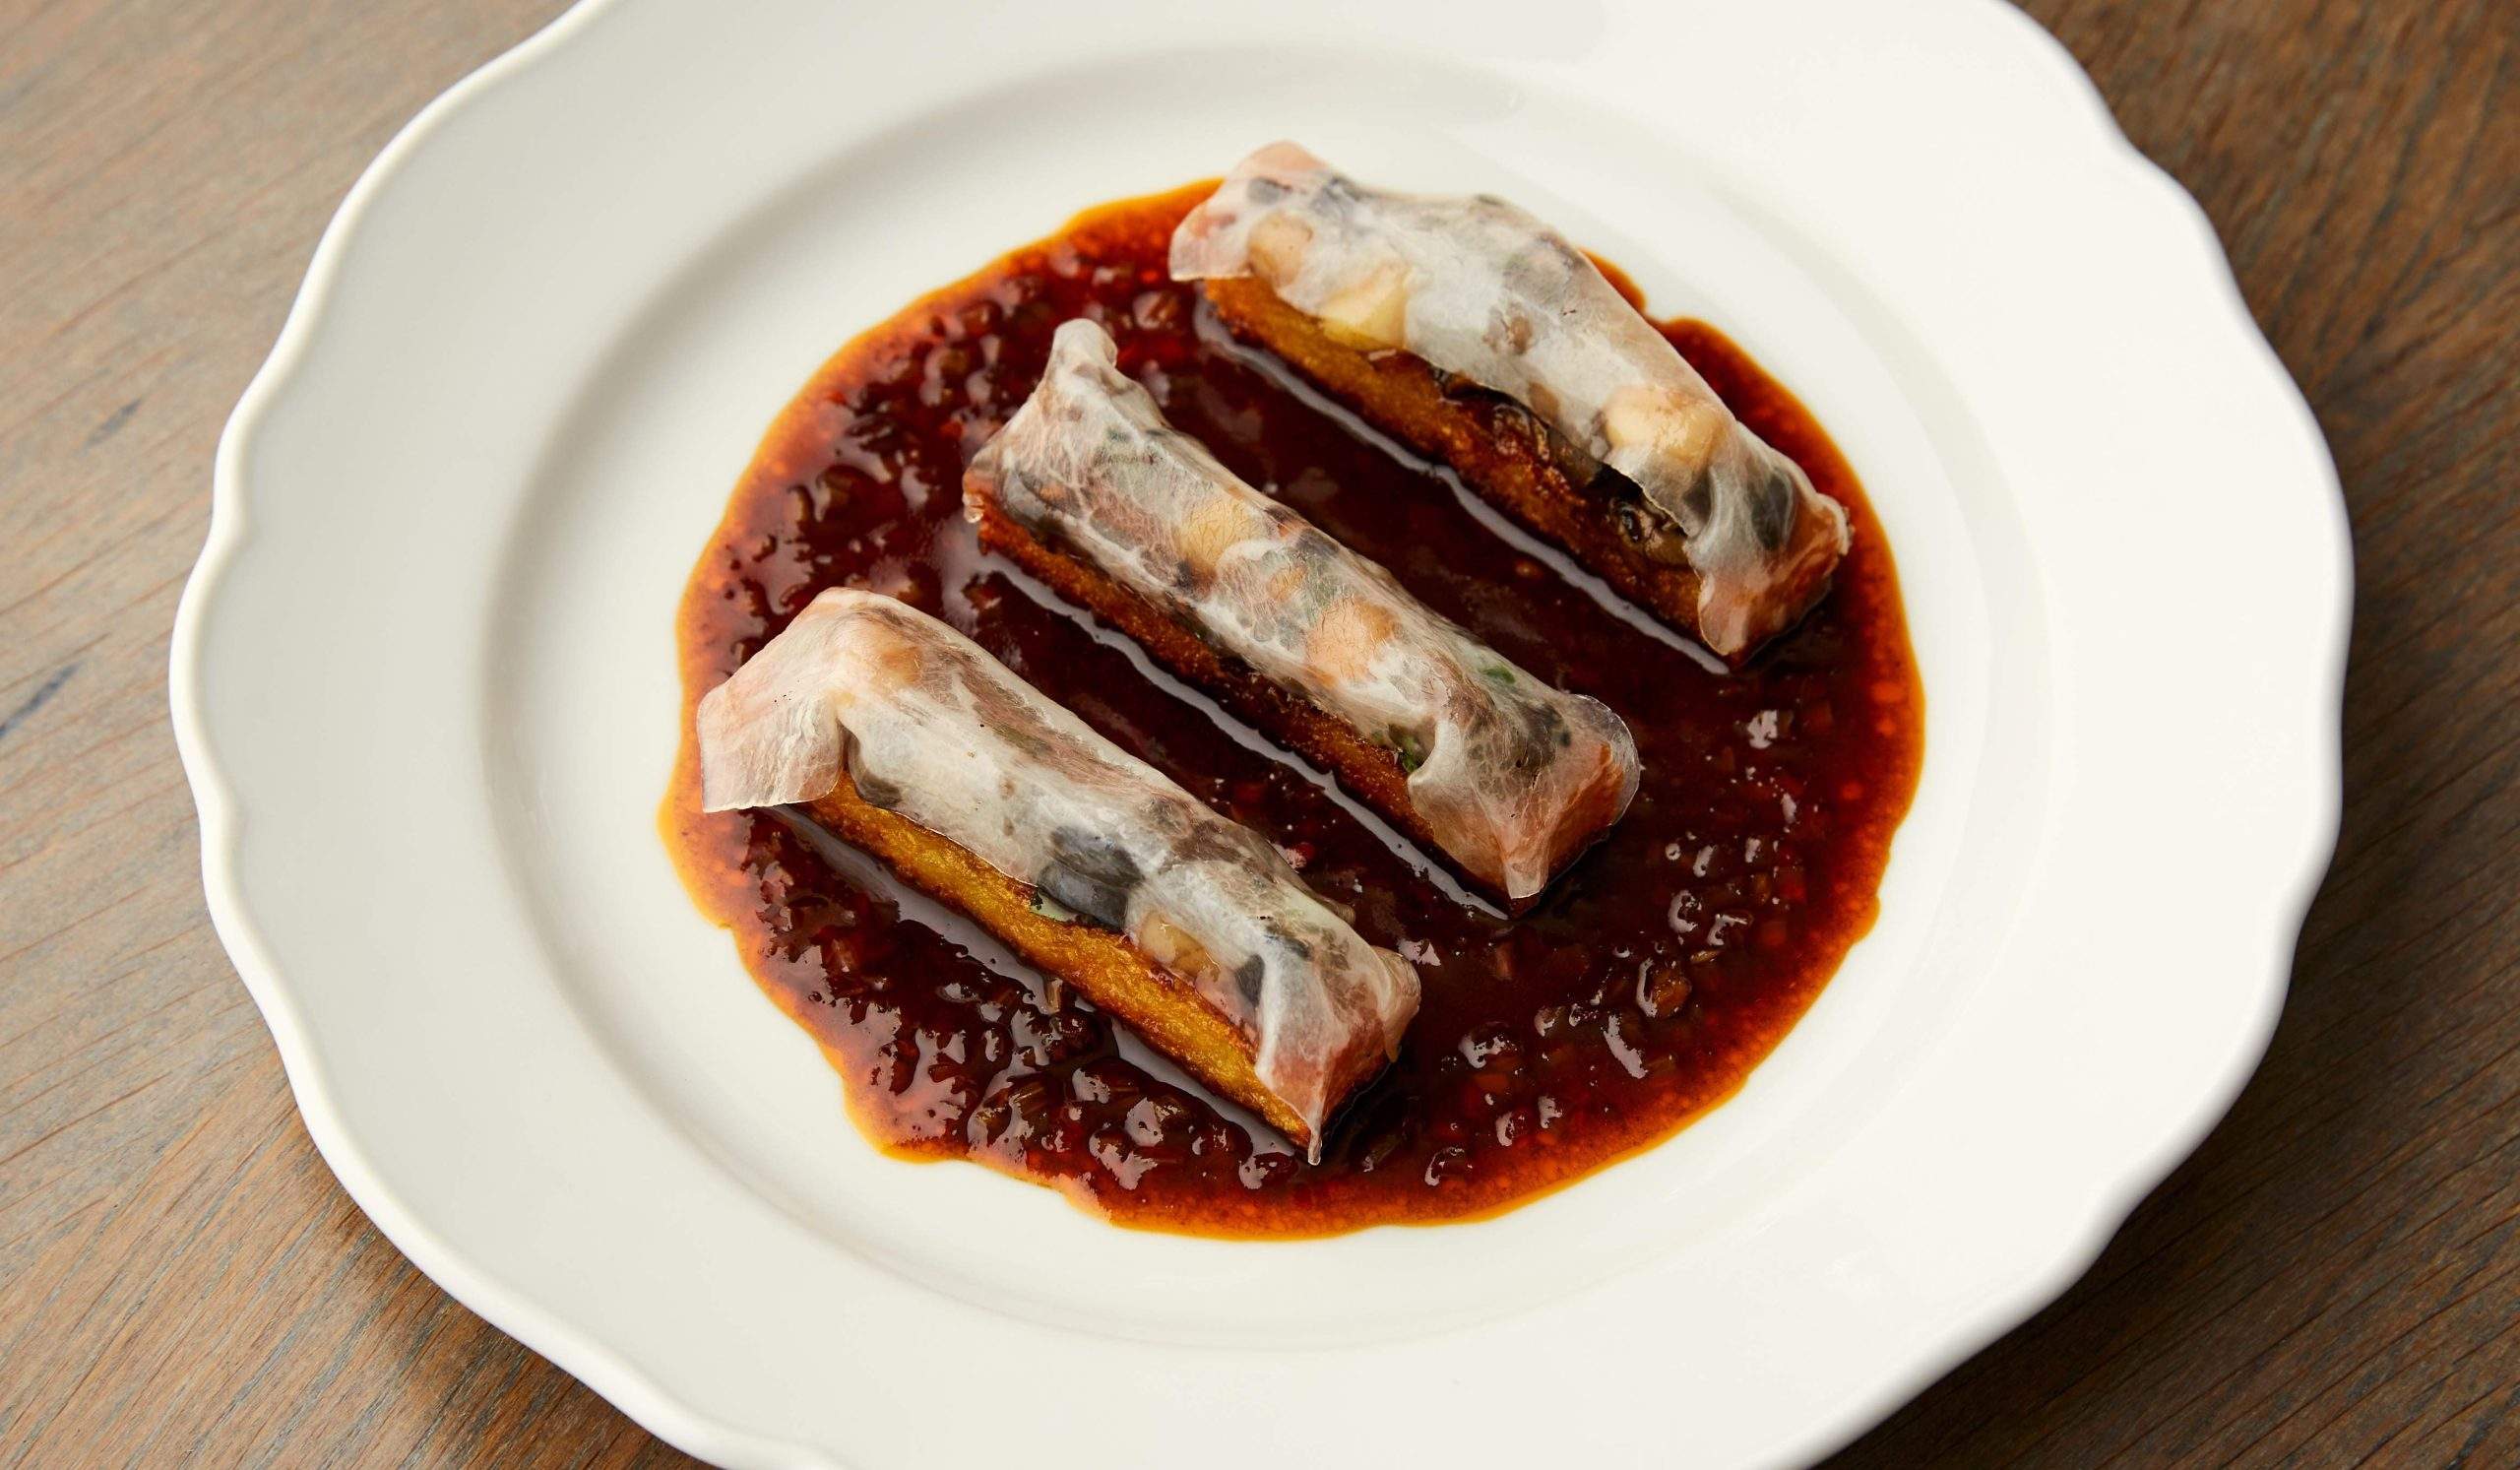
pixel 2332 1277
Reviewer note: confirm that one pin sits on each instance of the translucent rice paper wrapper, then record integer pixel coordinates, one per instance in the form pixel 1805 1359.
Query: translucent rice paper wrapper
pixel 928 726
pixel 1511 775
pixel 1485 292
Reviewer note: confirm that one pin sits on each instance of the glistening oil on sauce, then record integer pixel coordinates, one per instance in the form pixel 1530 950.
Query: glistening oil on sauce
pixel 1655 974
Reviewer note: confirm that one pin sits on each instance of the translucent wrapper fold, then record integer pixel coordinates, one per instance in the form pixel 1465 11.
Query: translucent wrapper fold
pixel 923 723
pixel 1485 292
pixel 1510 776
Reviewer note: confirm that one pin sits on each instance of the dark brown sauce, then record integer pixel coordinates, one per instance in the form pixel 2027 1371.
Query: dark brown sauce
pixel 1655 975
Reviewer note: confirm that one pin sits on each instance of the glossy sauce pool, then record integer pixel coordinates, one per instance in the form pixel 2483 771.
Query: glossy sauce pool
pixel 1642 989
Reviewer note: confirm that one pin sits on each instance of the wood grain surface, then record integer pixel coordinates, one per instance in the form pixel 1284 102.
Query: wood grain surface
pixel 2333 1279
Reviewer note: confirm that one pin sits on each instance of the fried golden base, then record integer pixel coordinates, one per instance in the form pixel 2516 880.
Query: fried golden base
pixel 1112 972
pixel 1499 451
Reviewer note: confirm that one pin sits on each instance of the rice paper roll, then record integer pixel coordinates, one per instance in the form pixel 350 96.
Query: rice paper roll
pixel 1484 291
pixel 1510 777
pixel 864 693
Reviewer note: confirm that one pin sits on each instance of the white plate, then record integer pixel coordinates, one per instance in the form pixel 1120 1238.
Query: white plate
pixel 424 685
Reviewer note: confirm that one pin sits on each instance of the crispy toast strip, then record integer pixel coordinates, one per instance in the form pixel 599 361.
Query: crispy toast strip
pixel 1505 777
pixel 1487 294
pixel 904 738
pixel 1102 964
